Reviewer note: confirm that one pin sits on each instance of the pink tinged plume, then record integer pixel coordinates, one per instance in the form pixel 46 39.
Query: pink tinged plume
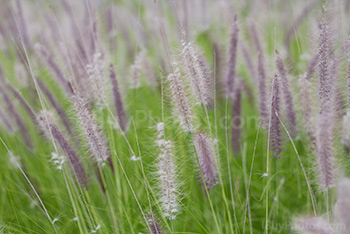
pixel 324 79
pixel 306 102
pixel 325 150
pixel 275 128
pixel 23 102
pixel 167 175
pixel 307 108
pixel 255 37
pixel 343 204
pixel 196 72
pixel 66 148
pixel 58 108
pixel 248 61
pixel 208 81
pixel 232 58
pixel 97 142
pixel 48 58
pixel 312 66
pixel 287 96
pixel 206 160
pixel 180 99
pixel 16 116
pixel 95 72
pixel 118 104
pixel 314 225
pixel 262 91
pixel 236 117
pixel 154 225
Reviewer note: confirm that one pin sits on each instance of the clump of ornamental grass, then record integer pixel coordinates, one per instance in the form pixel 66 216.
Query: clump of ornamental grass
pixel 206 158
pixel 180 99
pixel 52 132
pixel 275 128
pixel 168 191
pixel 339 224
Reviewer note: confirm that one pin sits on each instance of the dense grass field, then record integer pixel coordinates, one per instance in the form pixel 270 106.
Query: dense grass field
pixel 164 116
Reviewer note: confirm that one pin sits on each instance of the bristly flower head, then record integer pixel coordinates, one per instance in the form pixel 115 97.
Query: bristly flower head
pixel 324 80
pixel 196 72
pixel 206 160
pixel 275 129
pixel 180 99
pixel 232 57
pixel 118 103
pixel 167 175
pixel 153 224
pixel 95 72
pixel 325 150
pixel 236 117
pixel 264 115
pixel 287 96
pixel 97 142
pixel 45 120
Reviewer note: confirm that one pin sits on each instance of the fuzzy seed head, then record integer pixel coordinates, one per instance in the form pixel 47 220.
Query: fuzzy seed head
pixel 206 160
pixel 287 96
pixel 95 72
pixel 167 175
pixel 52 130
pixel 196 71
pixel 118 103
pixel 262 91
pixel 325 150
pixel 180 99
pixel 232 57
pixel 97 142
pixel 275 129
